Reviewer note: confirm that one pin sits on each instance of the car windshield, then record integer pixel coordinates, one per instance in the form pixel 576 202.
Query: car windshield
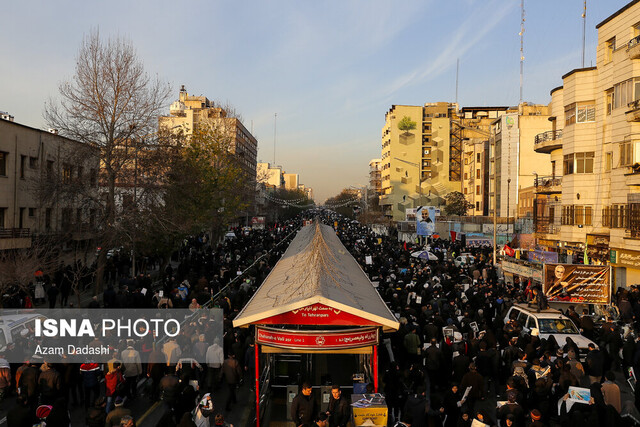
pixel 557 326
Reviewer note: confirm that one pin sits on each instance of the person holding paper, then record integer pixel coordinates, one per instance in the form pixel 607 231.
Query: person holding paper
pixel 474 382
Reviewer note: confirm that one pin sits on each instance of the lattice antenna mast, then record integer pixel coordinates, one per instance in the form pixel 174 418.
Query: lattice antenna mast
pixel 584 29
pixel 521 47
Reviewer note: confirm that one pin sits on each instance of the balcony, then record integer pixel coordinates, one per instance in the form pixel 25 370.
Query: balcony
pixel 633 48
pixel 548 229
pixel 546 142
pixel 548 184
pixel 15 238
pixel 633 114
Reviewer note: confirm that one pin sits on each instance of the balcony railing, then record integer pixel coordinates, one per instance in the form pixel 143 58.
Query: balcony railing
pixel 633 48
pixel 545 142
pixel 550 135
pixel 633 113
pixel 548 184
pixel 15 233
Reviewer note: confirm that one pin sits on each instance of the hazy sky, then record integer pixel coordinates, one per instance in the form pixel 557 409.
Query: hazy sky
pixel 329 69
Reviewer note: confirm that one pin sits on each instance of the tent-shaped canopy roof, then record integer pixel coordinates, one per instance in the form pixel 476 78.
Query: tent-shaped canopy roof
pixel 317 271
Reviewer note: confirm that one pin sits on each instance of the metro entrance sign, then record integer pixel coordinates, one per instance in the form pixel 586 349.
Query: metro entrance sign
pixel 317 314
pixel 317 340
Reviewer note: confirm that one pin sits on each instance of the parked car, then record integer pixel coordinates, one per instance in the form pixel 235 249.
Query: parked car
pixel 464 260
pixel 549 322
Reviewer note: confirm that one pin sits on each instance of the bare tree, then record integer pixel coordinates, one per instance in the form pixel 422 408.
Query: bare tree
pixel 111 102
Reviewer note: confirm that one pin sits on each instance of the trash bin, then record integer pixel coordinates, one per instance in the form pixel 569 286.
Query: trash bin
pixel 292 391
pixel 325 393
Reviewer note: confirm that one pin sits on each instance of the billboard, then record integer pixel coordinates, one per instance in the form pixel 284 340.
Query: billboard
pixel 426 220
pixel 587 284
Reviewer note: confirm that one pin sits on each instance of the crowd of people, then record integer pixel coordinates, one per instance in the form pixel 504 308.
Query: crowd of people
pixel 485 371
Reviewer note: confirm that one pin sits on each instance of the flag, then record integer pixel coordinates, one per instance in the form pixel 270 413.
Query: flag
pixel 405 246
pixel 507 250
pixel 586 258
pixel 453 235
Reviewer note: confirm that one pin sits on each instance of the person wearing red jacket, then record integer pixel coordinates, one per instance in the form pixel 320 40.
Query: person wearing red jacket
pixel 112 380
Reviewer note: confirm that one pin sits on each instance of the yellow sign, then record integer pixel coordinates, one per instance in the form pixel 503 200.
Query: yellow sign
pixel 627 258
pixel 377 415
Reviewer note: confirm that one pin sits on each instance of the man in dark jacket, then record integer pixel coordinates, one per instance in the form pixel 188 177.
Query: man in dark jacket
pixel 434 362
pixel 22 415
pixel 595 364
pixel 96 415
pixel 474 380
pixel 232 372
pixel 50 384
pixel 303 407
pixel 417 406
pixel 339 409
pixel 27 379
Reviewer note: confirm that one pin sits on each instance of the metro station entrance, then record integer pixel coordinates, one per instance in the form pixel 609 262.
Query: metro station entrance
pixel 317 317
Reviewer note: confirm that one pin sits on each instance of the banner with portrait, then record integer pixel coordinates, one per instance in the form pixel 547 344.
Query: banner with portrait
pixel 425 220
pixel 587 284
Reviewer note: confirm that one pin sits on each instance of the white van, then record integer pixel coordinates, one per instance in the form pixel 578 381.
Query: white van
pixel 549 322
pixel 12 325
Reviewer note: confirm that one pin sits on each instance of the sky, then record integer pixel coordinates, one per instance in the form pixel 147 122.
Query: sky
pixel 330 70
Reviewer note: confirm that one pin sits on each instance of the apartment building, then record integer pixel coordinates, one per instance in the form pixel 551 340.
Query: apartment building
pixel 189 111
pixel 37 170
pixel 474 127
pixel 375 176
pixel 291 181
pixel 514 163
pixel 420 166
pixel 591 202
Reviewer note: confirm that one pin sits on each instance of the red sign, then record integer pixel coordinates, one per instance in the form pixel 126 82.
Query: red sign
pixel 317 340
pixel 317 314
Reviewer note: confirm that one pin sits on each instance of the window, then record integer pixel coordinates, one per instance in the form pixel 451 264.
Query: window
pixel 32 212
pixel 610 101
pixel 626 154
pixel 50 170
pixel 568 164
pixel 608 161
pixel 584 162
pixel 478 157
pixel 47 219
pixel 622 93
pixel 588 215
pixel 606 216
pixel 23 164
pixel 570 114
pixel 3 163
pixel 465 190
pixel 568 215
pixel 477 206
pixel 33 162
pixel 477 189
pixel 477 173
pixel 66 217
pixel 3 212
pixel 67 173
pixel 466 176
pixel 586 112
pixel 610 46
pixel 578 215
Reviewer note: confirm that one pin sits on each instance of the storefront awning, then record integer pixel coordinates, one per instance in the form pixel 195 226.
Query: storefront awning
pixel 317 282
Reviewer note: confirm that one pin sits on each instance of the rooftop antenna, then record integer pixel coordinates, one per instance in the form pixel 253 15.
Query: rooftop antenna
pixel 584 31
pixel 521 46
pixel 457 71
pixel 275 117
